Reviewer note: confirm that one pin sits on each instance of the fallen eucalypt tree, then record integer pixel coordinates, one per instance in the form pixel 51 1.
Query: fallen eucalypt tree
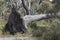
pixel 16 23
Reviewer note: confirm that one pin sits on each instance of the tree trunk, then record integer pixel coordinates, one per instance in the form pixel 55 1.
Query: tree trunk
pixel 15 23
pixel 25 7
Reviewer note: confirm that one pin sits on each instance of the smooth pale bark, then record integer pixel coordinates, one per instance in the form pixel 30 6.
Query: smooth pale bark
pixel 29 6
pixel 29 18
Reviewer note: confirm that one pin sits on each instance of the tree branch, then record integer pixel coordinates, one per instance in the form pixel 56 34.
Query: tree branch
pixel 29 18
pixel 25 7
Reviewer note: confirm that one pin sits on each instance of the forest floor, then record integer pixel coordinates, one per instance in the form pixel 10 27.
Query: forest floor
pixel 26 36
pixel 19 38
pixel 7 36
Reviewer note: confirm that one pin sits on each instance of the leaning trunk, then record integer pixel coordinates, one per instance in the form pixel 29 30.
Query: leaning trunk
pixel 15 23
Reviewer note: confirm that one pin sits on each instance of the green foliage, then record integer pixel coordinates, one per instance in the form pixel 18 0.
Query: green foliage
pixel 57 6
pixel 33 25
pixel 2 5
pixel 45 6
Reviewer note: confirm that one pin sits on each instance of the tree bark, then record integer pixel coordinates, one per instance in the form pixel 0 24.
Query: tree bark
pixel 25 7
pixel 15 23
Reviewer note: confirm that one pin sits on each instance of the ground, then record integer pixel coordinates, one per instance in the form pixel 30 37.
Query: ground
pixel 25 36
